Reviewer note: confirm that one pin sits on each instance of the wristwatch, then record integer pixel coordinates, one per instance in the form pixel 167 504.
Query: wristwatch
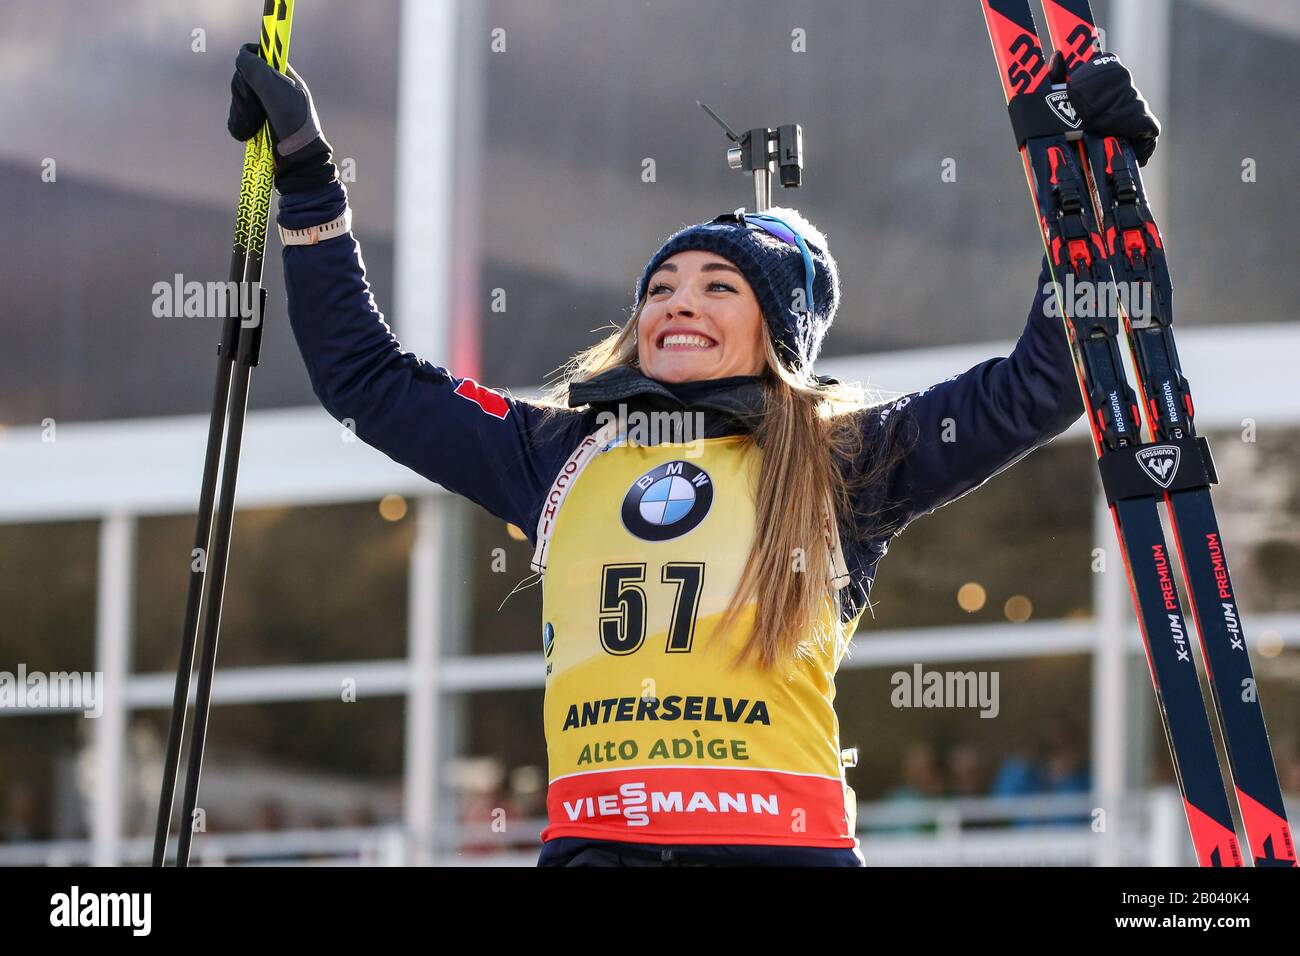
pixel 314 234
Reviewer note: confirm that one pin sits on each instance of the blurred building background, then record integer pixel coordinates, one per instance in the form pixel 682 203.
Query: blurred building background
pixel 498 149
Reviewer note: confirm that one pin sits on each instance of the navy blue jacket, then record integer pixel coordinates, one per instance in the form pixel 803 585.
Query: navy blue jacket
pixel 508 452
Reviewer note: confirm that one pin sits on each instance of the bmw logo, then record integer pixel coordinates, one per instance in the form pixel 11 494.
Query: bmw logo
pixel 667 501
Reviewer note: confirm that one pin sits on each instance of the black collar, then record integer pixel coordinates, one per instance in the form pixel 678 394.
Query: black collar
pixel 739 398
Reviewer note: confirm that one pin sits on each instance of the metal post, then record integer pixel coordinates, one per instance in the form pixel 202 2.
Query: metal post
pixel 1168 827
pixel 1112 610
pixel 425 241
pixel 112 661
pixel 426 112
pixel 423 618
pixel 1141 37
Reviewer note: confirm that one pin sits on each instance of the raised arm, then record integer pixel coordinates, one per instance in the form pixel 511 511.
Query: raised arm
pixel 974 425
pixel 495 450
pixel 963 431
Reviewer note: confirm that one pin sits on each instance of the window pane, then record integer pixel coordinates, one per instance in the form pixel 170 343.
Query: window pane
pixel 501 774
pixel 286 766
pixel 42 796
pixel 305 585
pixel 1025 534
pixel 1039 737
pixel 500 622
pixel 47 595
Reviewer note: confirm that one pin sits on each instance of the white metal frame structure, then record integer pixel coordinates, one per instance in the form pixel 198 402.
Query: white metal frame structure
pixel 301 456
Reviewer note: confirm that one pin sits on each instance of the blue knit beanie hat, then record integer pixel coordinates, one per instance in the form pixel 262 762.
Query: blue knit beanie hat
pixel 775 269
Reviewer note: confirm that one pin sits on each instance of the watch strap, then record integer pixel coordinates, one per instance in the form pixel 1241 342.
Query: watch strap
pixel 314 234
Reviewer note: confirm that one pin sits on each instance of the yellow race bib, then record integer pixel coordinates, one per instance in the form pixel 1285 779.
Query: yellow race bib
pixel 653 734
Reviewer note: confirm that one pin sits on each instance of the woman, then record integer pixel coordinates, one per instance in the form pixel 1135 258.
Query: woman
pixel 699 593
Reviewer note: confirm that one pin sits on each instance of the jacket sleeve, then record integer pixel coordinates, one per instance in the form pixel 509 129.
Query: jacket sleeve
pixel 497 451
pixel 961 432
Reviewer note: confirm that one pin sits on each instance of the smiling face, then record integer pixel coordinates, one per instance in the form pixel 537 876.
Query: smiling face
pixel 700 320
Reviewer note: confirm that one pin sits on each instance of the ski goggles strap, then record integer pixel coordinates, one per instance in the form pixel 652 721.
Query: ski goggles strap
pixel 776 226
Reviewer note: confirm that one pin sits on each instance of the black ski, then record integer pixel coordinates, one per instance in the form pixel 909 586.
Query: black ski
pixel 1136 254
pixel 1042 120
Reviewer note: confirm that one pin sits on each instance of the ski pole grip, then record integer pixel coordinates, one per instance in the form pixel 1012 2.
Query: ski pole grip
pixel 250 338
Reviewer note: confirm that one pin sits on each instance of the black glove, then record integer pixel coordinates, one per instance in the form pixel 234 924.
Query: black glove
pixel 1102 93
pixel 261 94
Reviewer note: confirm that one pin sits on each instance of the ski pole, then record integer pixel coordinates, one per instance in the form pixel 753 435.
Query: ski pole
pixel 237 354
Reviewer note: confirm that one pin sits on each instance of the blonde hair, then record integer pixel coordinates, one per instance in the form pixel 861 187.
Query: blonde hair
pixel 808 431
